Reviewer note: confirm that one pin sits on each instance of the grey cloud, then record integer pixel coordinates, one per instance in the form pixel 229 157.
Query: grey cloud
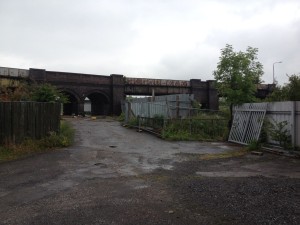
pixel 97 36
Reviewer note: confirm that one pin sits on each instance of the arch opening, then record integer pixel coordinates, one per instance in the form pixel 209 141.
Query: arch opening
pixel 70 108
pixel 96 104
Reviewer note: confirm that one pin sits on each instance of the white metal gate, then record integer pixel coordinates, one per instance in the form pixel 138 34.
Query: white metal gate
pixel 247 122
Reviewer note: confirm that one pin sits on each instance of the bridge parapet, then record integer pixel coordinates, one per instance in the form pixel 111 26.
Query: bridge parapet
pixel 13 72
pixel 157 82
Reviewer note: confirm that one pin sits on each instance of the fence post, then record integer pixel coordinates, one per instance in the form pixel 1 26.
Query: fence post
pixel 177 106
pixel 190 120
pixel 168 110
pixel 293 123
pixel 139 121
pixel 212 126
pixel 129 111
pixel 126 112
pixel 153 95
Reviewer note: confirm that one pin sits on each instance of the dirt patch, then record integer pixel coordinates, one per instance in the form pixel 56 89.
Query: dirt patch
pixel 222 155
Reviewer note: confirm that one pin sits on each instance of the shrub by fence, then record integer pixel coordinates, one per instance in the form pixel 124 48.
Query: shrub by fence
pixel 204 129
pixel 20 120
pixel 173 117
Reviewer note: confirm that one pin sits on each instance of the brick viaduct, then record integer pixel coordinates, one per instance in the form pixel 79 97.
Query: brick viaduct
pixel 107 92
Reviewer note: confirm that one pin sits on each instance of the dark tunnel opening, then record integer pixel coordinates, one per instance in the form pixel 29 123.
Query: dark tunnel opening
pixel 99 104
pixel 70 108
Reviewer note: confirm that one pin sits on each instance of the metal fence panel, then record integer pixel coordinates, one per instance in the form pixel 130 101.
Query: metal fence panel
pixel 247 122
pixel 168 106
pixel 276 112
pixel 289 112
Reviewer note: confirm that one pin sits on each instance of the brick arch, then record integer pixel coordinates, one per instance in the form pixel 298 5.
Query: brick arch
pixel 100 102
pixel 72 107
pixel 115 87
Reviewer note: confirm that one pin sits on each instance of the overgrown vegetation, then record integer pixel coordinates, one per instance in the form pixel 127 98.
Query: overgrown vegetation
pixel 202 126
pixel 47 93
pixel 254 145
pixel 133 121
pixel 278 132
pixel 287 92
pixel 15 91
pixel 121 118
pixel 200 129
pixel 22 91
pixel 63 138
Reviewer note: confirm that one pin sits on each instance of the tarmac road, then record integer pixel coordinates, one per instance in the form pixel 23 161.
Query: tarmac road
pixel 115 175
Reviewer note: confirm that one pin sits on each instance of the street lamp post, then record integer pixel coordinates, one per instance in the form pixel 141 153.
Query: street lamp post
pixel 273 71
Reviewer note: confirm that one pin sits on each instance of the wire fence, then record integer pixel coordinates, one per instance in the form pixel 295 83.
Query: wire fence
pixel 176 117
pixel 189 128
pixel 168 106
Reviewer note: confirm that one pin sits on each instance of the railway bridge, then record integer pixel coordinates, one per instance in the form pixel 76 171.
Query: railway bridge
pixel 107 92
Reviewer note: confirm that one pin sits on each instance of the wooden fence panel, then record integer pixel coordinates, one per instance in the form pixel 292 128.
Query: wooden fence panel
pixel 20 120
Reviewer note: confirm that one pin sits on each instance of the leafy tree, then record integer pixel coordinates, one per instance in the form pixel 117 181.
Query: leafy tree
pixel 279 93
pixel 294 88
pixel 287 92
pixel 47 93
pixel 238 74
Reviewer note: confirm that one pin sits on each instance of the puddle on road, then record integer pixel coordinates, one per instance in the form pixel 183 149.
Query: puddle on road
pixel 101 165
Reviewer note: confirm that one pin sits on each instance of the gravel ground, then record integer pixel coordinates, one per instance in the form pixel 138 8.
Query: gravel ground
pixel 236 200
pixel 114 175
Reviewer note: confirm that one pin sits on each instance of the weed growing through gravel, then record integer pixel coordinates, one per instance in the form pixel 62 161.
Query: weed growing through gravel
pixel 55 140
pixel 223 155
pixel 254 146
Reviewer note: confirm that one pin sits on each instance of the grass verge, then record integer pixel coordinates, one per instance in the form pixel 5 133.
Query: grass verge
pixel 64 138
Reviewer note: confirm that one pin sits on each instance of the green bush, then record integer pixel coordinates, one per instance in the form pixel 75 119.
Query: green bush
pixel 279 132
pixel 196 129
pixel 121 118
pixel 254 145
pixel 158 121
pixel 62 139
pixel 179 135
pixel 203 126
pixel 133 121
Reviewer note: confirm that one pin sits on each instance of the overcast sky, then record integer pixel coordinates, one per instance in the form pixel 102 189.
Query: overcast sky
pixel 168 39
